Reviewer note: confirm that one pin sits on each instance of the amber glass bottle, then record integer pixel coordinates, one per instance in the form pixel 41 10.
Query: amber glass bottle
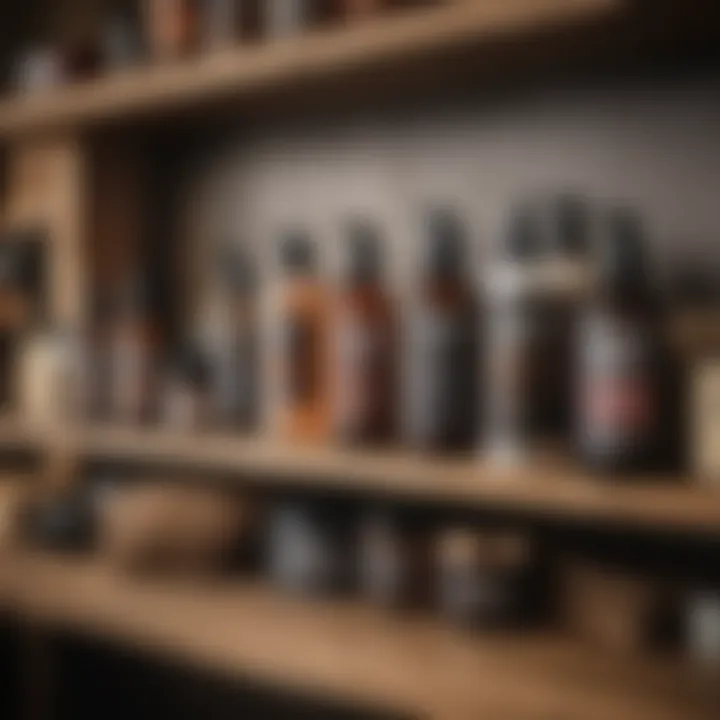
pixel 171 27
pixel 304 372
pixel 440 371
pixel 363 345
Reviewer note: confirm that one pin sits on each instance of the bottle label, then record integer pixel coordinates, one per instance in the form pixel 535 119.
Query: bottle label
pixel 618 412
pixel 302 353
pixel 440 373
pixel 362 349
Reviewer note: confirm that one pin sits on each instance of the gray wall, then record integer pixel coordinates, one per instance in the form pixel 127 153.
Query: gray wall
pixel 657 146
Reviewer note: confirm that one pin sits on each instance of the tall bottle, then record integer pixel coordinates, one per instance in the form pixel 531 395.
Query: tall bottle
pixel 304 357
pixel 231 335
pixel 514 322
pixel 440 376
pixel 563 288
pixel 364 345
pixel 135 355
pixel 620 408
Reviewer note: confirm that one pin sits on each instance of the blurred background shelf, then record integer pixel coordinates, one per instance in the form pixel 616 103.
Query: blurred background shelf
pixel 406 664
pixel 382 45
pixel 550 485
pixel 17 434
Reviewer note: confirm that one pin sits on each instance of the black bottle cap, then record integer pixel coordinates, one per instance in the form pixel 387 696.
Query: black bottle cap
pixel 364 256
pixel 568 226
pixel 445 248
pixel 236 269
pixel 297 252
pixel 622 251
pixel 523 241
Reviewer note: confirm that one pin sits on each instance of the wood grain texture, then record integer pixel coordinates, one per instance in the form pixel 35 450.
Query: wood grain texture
pixel 245 72
pixel 547 486
pixel 346 650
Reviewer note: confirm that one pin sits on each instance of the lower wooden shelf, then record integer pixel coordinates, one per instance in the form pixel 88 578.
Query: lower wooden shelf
pixel 345 650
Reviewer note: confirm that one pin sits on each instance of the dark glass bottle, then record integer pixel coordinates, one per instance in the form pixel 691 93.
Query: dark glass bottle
pixel 304 357
pixel 364 372
pixel 440 374
pixel 562 290
pixel 620 410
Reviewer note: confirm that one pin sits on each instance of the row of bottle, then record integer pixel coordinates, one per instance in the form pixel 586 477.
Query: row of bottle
pixel 166 30
pixel 474 576
pixel 562 343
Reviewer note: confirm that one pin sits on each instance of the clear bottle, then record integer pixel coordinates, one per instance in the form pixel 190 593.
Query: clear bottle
pixel 513 325
pixel 231 336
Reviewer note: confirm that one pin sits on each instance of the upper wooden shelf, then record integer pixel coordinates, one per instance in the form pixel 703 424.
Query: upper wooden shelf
pixel 410 665
pixel 246 72
pixel 546 486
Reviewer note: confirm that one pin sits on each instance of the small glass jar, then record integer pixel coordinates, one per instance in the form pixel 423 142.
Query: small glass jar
pixel 186 397
pixel 309 549
pixel 394 560
pixel 481 576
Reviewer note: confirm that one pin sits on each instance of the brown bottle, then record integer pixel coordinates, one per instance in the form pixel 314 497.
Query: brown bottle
pixel 364 368
pixel 440 368
pixel 304 372
pixel 620 400
pixel 171 27
pixel 355 9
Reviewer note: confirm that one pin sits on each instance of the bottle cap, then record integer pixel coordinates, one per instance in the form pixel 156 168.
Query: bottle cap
pixel 445 244
pixel 523 241
pixel 236 269
pixel 567 226
pixel 622 251
pixel 364 257
pixel 297 252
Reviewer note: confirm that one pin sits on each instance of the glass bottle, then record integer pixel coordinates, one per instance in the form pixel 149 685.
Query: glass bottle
pixel 364 395
pixel 304 357
pixel 439 404
pixel 134 356
pixel 513 329
pixel 620 409
pixel 231 335
pixel 171 27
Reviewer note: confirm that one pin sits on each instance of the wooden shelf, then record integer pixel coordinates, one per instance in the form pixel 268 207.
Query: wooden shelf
pixel 545 486
pixel 345 650
pixel 246 72
pixel 16 434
